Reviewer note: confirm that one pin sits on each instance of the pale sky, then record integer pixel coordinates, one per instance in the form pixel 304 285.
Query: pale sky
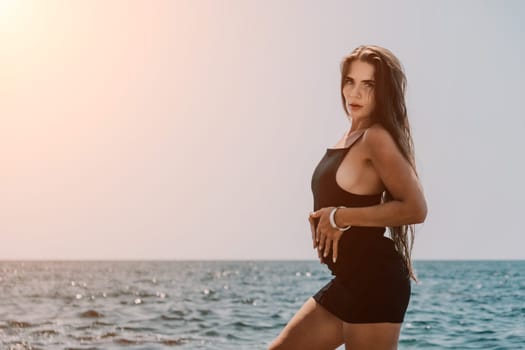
pixel 191 129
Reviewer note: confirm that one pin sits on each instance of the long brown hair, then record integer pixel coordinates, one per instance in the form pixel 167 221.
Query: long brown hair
pixel 390 111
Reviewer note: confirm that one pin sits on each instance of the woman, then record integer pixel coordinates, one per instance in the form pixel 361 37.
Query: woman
pixel 362 185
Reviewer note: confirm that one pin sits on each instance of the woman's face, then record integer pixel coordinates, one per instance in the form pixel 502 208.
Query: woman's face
pixel 358 90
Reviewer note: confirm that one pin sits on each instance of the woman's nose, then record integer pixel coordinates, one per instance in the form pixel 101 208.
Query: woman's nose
pixel 355 91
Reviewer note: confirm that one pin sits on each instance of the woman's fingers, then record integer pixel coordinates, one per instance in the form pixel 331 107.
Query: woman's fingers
pixel 335 245
pixel 322 241
pixel 317 231
pixel 319 237
pixel 312 228
pixel 327 246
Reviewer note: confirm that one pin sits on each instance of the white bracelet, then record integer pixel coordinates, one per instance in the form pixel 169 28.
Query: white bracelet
pixel 332 220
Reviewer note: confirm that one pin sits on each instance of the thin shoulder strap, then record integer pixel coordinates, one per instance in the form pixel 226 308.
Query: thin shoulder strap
pixel 357 138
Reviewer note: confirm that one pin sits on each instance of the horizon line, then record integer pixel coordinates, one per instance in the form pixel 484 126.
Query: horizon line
pixel 236 260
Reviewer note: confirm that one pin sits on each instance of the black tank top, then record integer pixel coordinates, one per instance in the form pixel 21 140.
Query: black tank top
pixel 355 243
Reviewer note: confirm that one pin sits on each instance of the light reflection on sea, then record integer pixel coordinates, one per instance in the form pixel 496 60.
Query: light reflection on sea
pixel 239 304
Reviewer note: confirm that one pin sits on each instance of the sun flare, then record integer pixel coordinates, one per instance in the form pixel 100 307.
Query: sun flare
pixel 9 12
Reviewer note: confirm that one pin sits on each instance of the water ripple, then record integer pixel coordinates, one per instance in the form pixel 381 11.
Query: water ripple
pixel 239 305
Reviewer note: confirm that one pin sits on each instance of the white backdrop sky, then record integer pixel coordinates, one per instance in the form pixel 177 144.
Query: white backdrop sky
pixel 190 129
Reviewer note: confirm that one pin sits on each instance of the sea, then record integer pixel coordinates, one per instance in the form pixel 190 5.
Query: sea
pixel 239 304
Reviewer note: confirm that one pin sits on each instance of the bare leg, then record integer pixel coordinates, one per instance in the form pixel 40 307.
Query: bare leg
pixel 371 336
pixel 312 327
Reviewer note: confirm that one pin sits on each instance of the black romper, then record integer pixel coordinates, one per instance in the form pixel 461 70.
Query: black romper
pixel 371 282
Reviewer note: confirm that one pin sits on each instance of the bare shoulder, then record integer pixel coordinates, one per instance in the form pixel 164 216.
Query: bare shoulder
pixel 377 138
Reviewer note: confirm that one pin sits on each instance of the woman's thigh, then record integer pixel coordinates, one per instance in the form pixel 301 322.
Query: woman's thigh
pixel 312 327
pixel 371 336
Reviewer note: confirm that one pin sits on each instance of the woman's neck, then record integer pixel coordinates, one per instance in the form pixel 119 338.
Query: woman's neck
pixel 358 125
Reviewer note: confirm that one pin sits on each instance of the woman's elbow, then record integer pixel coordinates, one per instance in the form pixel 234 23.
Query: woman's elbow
pixel 420 212
pixel 415 211
pixel 412 211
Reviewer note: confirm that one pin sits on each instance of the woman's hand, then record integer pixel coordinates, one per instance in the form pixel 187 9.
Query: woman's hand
pixel 324 236
pixel 314 240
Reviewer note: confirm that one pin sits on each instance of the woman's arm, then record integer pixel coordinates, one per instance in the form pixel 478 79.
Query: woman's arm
pixel 408 205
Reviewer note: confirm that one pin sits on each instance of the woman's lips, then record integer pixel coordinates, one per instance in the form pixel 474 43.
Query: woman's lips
pixel 355 106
